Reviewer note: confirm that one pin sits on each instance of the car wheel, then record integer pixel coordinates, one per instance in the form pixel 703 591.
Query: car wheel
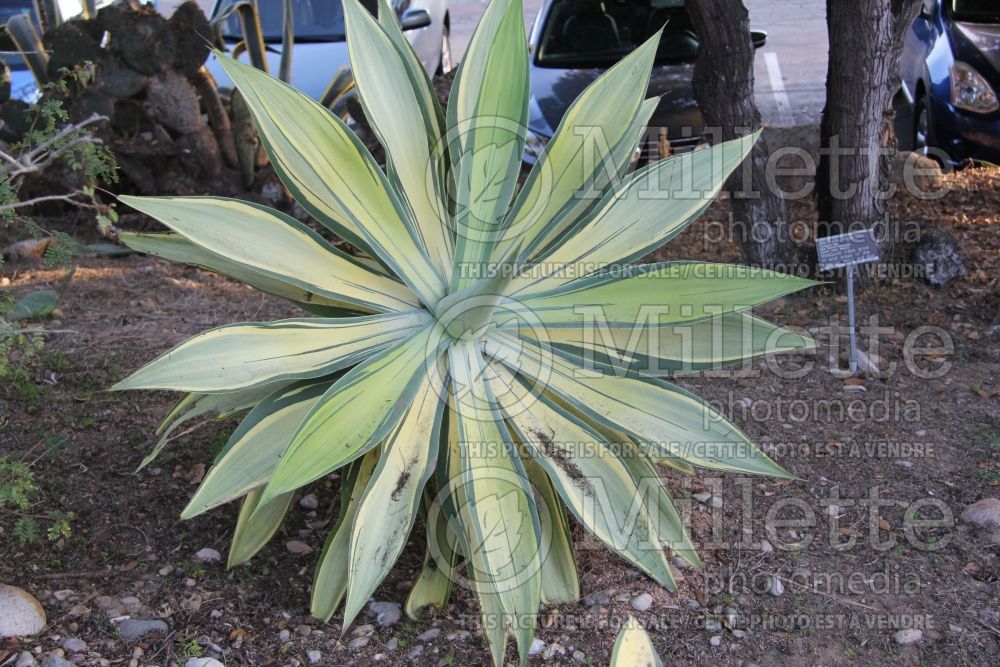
pixel 445 63
pixel 922 126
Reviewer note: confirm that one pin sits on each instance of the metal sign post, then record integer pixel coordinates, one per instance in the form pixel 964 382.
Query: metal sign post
pixel 848 250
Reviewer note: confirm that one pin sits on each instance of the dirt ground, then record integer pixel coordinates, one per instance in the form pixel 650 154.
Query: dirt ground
pixel 897 458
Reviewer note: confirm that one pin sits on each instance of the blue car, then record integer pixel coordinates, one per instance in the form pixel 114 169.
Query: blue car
pixel 951 75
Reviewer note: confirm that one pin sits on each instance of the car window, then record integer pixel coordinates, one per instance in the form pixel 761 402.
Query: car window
pixel 315 20
pixel 976 11
pixel 587 33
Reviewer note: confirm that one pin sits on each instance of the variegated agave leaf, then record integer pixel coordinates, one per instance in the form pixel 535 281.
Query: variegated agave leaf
pixel 490 366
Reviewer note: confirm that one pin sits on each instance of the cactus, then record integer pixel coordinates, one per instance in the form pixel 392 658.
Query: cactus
pixel 29 43
pixel 287 44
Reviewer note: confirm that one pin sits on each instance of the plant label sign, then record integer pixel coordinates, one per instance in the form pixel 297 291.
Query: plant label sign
pixel 857 247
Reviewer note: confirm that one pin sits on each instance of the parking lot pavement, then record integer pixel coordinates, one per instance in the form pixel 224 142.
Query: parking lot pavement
pixel 790 69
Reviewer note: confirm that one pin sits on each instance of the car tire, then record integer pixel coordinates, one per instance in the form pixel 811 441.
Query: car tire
pixel 445 63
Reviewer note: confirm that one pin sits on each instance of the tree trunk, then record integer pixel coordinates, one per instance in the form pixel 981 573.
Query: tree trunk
pixel 866 38
pixel 723 88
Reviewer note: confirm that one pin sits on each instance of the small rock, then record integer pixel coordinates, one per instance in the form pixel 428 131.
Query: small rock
pixel 359 642
pixel 309 502
pixel 131 604
pixel 579 656
pixel 596 599
pixel 537 646
pixel 298 547
pixel 775 587
pixel 21 615
pixel 460 635
pixel 303 630
pixel 739 634
pixel 74 645
pixel 203 662
pixel 716 640
pixel 284 635
pixel 955 629
pixel 366 630
pixel 553 649
pixel 25 659
pixel 207 555
pixel 766 547
pixel 314 657
pixel 713 625
pixel 53 660
pixel 428 635
pixel 392 644
pixel 984 514
pixel 730 615
pixel 908 636
pixel 702 497
pixel 386 613
pixel 415 652
pixel 63 595
pixel 642 602
pixel 136 628
pixel 940 257
pixel 77 610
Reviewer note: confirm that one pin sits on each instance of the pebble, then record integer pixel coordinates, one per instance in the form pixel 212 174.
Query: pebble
pixel 553 649
pixel 314 657
pixel 716 640
pixel 415 652
pixel 309 502
pixel 203 662
pixel 74 645
pixel 713 625
pixel 364 630
pixel 53 660
pixel 428 635
pixel 537 646
pixel 284 635
pixel 359 642
pixel 642 602
pixel 63 595
pixel 766 547
pixel 596 599
pixel 386 613
pixel 25 659
pixel 775 587
pixel 579 656
pixel 730 615
pixel 136 628
pixel 21 615
pixel 984 514
pixel 206 555
pixel 298 547
pixel 908 636
pixel 392 644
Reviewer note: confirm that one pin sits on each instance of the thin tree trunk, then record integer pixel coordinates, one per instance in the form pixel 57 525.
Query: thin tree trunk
pixel 723 88
pixel 866 38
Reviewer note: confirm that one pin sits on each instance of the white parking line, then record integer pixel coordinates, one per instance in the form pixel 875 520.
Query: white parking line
pixel 778 88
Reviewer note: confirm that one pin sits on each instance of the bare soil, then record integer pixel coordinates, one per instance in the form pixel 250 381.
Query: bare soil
pixel 851 577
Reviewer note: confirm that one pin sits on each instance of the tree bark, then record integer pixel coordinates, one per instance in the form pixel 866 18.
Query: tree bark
pixel 724 90
pixel 866 38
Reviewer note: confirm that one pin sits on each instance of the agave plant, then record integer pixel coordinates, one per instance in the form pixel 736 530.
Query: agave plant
pixel 451 369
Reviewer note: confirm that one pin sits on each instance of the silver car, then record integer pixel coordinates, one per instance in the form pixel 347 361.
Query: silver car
pixel 320 48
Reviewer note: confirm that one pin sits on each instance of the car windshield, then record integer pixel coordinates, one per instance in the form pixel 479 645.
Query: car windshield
pixel 8 10
pixel 976 11
pixel 315 20
pixel 587 33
